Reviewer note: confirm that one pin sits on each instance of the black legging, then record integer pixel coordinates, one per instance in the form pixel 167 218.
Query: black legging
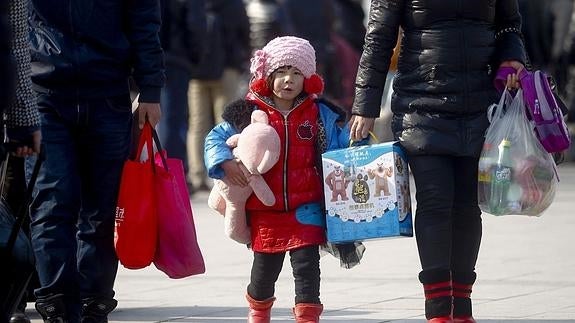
pixel 305 265
pixel 448 219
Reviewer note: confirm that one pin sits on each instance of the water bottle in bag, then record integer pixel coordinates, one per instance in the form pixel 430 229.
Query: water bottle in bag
pixel 485 171
pixel 501 180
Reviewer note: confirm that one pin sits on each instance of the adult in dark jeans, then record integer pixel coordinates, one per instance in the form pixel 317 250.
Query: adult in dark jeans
pixel 450 51
pixel 83 53
pixel 183 36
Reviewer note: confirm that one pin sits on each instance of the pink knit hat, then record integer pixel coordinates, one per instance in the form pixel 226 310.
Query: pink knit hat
pixel 285 51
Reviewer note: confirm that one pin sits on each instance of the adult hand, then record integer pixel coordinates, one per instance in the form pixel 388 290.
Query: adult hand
pixel 360 127
pixel 25 150
pixel 513 79
pixel 233 172
pixel 151 110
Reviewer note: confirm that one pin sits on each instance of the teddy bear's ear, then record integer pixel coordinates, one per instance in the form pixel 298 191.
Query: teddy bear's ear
pixel 259 116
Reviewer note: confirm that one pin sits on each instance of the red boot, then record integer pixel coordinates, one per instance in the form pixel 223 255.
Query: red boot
pixel 307 312
pixel 462 285
pixel 442 319
pixel 438 295
pixel 260 311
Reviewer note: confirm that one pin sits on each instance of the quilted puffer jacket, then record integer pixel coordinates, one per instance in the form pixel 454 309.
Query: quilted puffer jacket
pixel 449 55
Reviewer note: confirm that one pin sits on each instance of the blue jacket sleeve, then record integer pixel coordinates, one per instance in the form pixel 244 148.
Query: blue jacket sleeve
pixel 337 136
pixel 216 151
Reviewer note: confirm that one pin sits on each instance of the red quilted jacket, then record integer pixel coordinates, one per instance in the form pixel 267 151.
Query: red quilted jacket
pixel 294 180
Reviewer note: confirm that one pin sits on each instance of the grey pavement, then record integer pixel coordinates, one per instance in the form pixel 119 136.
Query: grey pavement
pixel 526 273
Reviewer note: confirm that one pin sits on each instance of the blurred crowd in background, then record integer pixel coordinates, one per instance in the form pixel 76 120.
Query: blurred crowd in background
pixel 208 56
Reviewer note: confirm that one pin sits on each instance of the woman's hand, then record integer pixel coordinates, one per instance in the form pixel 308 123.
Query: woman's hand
pixel 233 172
pixel 513 79
pixel 360 127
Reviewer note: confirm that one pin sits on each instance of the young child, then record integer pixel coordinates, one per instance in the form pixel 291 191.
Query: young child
pixel 284 85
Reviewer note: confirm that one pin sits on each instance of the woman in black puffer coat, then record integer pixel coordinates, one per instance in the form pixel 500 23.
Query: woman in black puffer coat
pixel 450 52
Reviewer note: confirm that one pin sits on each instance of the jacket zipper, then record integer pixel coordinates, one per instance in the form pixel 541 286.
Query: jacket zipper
pixel 286 145
pixel 466 71
pixel 286 123
pixel 76 60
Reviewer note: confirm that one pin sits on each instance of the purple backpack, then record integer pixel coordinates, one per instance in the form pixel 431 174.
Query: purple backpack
pixel 542 108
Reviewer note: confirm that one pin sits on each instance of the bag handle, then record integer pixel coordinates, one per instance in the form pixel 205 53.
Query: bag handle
pixel 145 140
pixel 21 213
pixel 371 134
pixel 159 147
pixel 148 138
pixel 496 111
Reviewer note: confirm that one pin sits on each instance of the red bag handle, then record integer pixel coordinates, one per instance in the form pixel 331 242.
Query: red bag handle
pixel 145 140
pixel 147 137
pixel 160 150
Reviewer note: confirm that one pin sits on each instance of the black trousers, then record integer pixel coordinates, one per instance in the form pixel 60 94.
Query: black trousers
pixel 305 265
pixel 448 218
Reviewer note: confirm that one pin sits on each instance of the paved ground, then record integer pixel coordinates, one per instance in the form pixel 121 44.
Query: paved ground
pixel 526 273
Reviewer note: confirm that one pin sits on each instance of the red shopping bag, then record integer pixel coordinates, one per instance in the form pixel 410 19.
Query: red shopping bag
pixel 177 254
pixel 136 217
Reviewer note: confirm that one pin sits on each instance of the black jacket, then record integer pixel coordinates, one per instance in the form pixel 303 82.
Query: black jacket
pixel 449 55
pixel 236 31
pixel 89 48
pixel 183 32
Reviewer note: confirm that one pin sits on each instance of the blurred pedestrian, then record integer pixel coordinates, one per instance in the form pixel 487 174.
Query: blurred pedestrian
pixel 450 51
pixel 348 22
pixel 268 20
pixel 215 79
pixel 83 53
pixel 316 24
pixel 183 38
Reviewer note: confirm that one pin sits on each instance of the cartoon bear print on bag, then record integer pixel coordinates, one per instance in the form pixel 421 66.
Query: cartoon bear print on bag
pixel 380 174
pixel 337 183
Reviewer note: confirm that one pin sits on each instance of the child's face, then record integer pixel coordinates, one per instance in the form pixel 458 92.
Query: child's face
pixel 287 83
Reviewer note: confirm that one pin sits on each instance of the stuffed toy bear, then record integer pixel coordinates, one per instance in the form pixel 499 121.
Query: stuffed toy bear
pixel 257 147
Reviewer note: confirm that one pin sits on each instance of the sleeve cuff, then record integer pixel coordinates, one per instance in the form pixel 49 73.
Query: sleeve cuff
pixel 510 47
pixel 21 134
pixel 150 94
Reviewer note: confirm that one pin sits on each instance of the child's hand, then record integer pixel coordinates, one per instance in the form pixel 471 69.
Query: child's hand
pixel 233 172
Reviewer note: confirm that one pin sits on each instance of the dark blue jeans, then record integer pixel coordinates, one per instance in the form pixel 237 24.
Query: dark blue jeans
pixel 173 126
pixel 86 144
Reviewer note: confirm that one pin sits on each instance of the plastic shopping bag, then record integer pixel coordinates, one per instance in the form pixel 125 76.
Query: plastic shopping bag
pixel 135 237
pixel 516 174
pixel 177 254
pixel 543 107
